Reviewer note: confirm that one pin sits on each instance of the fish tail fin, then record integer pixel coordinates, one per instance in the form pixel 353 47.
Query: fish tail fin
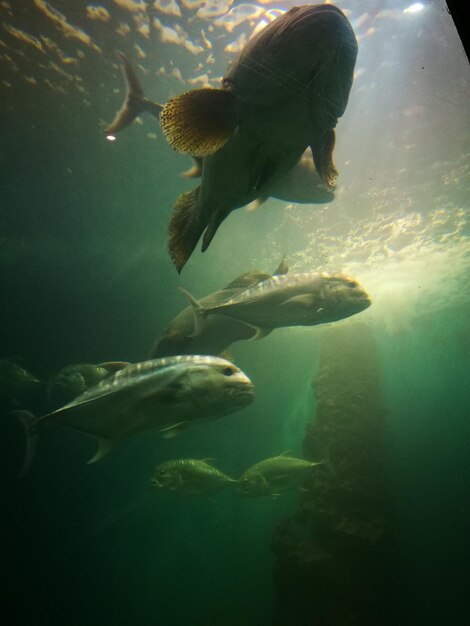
pixel 185 228
pixel 135 101
pixel 198 312
pixel 29 423
pixel 199 122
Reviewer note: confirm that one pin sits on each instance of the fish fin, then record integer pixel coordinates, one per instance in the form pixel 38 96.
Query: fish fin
pixel 185 228
pixel 285 453
pixel 209 461
pixel 30 426
pixel 104 446
pixel 267 171
pixel 195 171
pixel 252 206
pixel 114 366
pixel 173 431
pixel 169 395
pixel 198 313
pixel 134 103
pixel 282 268
pixel 211 229
pixel 260 333
pixel 304 300
pixel 322 154
pixel 199 122
pixel 228 356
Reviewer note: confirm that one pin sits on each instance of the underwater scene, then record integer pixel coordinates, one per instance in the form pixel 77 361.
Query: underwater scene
pixel 235 306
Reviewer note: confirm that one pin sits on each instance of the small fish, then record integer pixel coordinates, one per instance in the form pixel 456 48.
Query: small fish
pixel 274 475
pixel 164 395
pixel 190 476
pixel 219 332
pixel 284 94
pixel 135 101
pixel 74 379
pixel 291 300
pixel 17 383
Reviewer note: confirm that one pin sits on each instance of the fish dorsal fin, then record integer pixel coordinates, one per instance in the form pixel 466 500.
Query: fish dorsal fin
pixel 198 312
pixel 304 300
pixel 211 229
pixel 199 122
pixel 260 333
pixel 114 366
pixel 104 446
pixel 209 461
pixel 255 204
pixel 282 268
pixel 185 228
pixel 228 356
pixel 173 431
pixel 286 453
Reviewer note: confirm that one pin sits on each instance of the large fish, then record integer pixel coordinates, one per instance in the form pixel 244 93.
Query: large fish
pixel 219 332
pixel 303 299
pixel 274 475
pixel 164 395
pixel 190 476
pixel 283 94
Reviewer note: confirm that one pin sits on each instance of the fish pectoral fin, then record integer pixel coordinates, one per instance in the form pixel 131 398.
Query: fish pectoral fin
pixel 199 122
pixel 322 153
pixel 173 431
pixel 305 300
pixel 185 228
pixel 169 395
pixel 282 268
pixel 104 446
pixel 195 171
pixel 252 206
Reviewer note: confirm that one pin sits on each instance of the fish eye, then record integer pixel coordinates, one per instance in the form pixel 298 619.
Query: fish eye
pixel 228 371
pixel 351 283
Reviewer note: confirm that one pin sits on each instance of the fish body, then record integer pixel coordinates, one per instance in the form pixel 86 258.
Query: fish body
pixel 74 379
pixel 190 476
pixel 219 332
pixel 282 95
pixel 164 395
pixel 274 475
pixel 304 299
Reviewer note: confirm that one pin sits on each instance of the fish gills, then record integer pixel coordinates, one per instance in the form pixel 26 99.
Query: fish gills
pixel 184 229
pixel 198 122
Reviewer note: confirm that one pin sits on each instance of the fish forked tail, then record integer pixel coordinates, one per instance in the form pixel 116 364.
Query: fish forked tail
pixel 135 101
pixel 185 228
pixel 29 423
pixel 198 312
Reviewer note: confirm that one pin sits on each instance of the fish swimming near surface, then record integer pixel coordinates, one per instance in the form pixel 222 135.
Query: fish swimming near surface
pixel 283 94
pixel 190 476
pixel 303 299
pixel 164 395
pixel 74 379
pixel 274 475
pixel 219 331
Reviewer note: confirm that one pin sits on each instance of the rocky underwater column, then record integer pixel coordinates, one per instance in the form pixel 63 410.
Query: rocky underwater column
pixel 332 556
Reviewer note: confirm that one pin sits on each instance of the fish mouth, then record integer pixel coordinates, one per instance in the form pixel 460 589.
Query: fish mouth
pixel 246 394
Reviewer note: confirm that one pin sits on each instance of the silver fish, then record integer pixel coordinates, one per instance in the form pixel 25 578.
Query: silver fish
pixel 164 395
pixel 303 299
pixel 219 332
pixel 190 476
pixel 274 475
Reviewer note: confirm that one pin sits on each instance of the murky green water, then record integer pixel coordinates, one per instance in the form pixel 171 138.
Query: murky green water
pixel 86 278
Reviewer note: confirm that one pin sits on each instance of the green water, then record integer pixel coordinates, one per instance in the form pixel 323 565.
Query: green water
pixel 86 277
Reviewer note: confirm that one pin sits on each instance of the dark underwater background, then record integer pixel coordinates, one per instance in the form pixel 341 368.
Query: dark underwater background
pixel 85 277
